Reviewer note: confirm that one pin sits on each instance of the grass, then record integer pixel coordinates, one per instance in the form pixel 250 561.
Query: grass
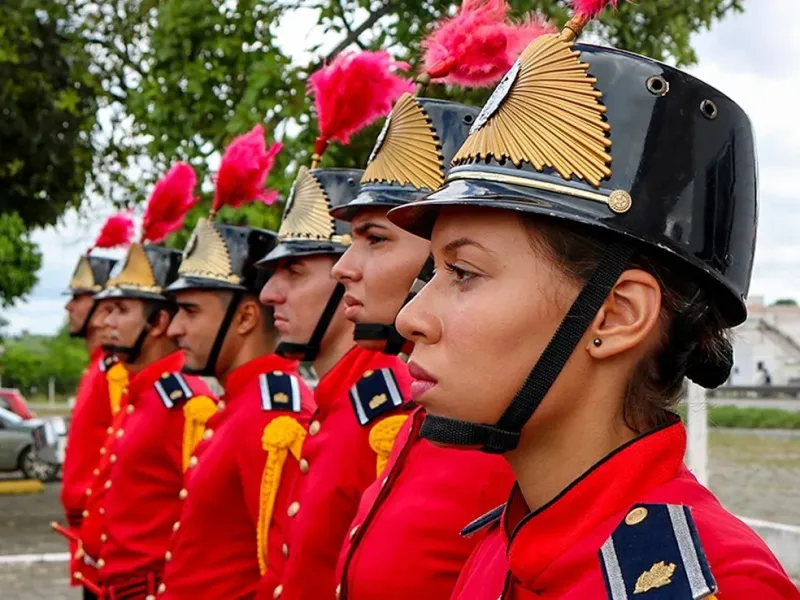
pixel 43 398
pixel 749 418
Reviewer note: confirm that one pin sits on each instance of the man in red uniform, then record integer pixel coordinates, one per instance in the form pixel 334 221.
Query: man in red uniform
pixel 93 410
pixel 450 487
pixel 234 524
pixel 360 396
pixel 127 530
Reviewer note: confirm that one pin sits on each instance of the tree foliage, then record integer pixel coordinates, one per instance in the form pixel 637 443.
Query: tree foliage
pixel 177 79
pixel 48 108
pixel 185 76
pixel 20 259
pixel 785 302
pixel 30 361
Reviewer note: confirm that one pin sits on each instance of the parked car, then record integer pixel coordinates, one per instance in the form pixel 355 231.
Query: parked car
pixel 13 400
pixel 31 446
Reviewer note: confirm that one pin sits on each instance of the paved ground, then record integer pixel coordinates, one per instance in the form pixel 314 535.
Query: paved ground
pixel 754 475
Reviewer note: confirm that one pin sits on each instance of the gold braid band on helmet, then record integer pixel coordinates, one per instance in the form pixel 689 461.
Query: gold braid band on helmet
pixel 382 437
pixel 281 436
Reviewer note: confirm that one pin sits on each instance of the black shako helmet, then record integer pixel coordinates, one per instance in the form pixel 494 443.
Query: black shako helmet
pixel 410 159
pixel 621 143
pixel 308 229
pixel 90 277
pixel 145 273
pixel 221 257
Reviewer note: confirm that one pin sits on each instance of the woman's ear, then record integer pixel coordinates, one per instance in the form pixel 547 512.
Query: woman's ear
pixel 628 317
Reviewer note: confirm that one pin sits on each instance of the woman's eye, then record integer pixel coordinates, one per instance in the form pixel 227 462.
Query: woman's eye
pixel 375 239
pixel 461 276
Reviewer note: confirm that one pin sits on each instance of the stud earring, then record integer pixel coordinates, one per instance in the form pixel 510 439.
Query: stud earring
pixel 597 342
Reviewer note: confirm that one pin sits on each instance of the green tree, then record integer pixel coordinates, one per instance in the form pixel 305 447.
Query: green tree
pixel 48 113
pixel 30 361
pixel 20 259
pixel 785 302
pixel 48 108
pixel 190 74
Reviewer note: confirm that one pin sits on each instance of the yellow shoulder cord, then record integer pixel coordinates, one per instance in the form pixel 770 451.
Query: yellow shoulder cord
pixel 381 439
pixel 117 378
pixel 282 435
pixel 196 412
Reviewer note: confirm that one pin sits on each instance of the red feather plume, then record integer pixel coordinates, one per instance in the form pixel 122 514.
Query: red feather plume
pixel 354 90
pixel 589 9
pixel 243 171
pixel 116 231
pixel 478 45
pixel 170 200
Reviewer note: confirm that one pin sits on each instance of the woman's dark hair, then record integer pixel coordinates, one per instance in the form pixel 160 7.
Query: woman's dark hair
pixel 694 342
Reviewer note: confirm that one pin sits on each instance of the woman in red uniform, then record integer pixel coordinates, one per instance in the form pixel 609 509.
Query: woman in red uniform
pixel 427 493
pixel 599 225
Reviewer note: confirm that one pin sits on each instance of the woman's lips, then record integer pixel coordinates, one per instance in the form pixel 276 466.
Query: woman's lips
pixel 423 381
pixel 351 307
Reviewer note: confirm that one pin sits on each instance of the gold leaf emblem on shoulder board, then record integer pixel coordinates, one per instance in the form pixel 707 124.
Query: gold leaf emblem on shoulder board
pixel 378 400
pixel 548 114
pixel 659 575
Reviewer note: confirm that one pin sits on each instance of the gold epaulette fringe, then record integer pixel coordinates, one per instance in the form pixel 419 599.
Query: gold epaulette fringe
pixel 197 411
pixel 117 378
pixel 281 436
pixel 382 437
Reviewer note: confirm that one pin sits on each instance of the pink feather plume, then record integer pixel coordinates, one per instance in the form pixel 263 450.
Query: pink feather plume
pixel 116 231
pixel 354 90
pixel 589 9
pixel 170 200
pixel 478 45
pixel 244 169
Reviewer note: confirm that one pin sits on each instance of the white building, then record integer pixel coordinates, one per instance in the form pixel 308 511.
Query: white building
pixel 769 336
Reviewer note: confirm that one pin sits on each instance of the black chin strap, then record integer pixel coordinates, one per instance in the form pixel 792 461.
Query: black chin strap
pixel 84 330
pixel 504 436
pixel 388 332
pixel 309 351
pixel 131 353
pixel 210 370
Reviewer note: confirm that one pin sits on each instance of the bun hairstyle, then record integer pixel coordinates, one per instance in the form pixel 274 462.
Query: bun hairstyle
pixel 694 340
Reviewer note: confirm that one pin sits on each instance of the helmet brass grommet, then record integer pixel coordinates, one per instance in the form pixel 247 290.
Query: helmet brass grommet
pixel 619 201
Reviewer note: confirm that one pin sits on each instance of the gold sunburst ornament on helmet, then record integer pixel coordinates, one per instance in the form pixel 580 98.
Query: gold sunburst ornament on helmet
pixel 307 214
pixel 547 112
pixel 407 152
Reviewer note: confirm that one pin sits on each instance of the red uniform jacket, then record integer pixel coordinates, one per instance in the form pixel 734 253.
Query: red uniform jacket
pixel 91 417
pixel 359 412
pixel 93 524
pixel 143 483
pixel 234 524
pixel 637 525
pixel 450 488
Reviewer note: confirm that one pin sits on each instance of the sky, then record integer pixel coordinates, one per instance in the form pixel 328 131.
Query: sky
pixel 747 56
